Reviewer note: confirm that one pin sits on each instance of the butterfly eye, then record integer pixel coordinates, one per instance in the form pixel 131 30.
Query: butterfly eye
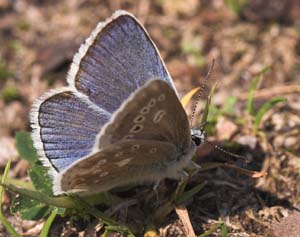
pixel 196 140
pixel 197 136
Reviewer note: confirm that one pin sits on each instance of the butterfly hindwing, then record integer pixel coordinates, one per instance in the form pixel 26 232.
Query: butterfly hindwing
pixel 154 112
pixel 125 162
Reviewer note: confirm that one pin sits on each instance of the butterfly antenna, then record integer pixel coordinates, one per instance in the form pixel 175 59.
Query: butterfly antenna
pixel 202 88
pixel 224 151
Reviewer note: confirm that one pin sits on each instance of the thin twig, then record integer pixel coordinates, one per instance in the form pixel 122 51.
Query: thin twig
pixel 183 215
pixel 267 93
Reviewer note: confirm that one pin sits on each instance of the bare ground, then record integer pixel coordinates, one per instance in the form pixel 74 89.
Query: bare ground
pixel 39 38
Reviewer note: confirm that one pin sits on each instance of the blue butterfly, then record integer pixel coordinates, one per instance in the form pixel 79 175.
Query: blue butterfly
pixel 119 121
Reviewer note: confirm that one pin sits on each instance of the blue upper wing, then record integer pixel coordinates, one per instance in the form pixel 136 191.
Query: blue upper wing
pixel 115 60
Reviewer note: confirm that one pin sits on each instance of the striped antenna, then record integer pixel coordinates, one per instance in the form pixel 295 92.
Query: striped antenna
pixel 225 152
pixel 202 88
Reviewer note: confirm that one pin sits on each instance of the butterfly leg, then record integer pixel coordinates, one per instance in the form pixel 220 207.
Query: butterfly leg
pixel 155 189
pixel 183 176
pixel 192 168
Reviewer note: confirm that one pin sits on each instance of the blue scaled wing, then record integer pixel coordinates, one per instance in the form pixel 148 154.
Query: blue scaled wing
pixel 115 60
pixel 65 126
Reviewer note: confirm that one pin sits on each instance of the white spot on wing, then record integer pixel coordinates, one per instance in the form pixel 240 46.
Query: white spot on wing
pixel 127 137
pixel 152 102
pixel 162 97
pixel 118 154
pixel 153 150
pixel 139 119
pixel 136 128
pixel 135 147
pixel 101 162
pixel 123 162
pixel 145 110
pixel 97 181
pixel 96 171
pixel 81 180
pixel 158 116
pixel 104 174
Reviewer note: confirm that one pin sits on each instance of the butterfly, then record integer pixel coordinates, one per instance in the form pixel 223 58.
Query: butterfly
pixel 119 121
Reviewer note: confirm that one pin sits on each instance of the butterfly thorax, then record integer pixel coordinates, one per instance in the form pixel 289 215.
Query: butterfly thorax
pixel 198 136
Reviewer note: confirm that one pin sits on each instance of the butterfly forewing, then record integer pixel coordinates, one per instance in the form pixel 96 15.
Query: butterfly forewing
pixel 116 59
pixel 154 112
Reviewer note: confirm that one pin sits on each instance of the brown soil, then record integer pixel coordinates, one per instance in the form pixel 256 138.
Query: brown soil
pixel 38 39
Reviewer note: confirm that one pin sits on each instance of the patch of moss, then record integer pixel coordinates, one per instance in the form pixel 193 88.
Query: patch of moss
pixel 5 73
pixel 24 25
pixel 9 93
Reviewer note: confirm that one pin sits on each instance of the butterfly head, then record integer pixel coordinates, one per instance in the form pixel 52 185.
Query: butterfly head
pixel 198 135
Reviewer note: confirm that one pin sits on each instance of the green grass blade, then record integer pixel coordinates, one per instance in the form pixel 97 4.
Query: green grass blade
pixel 179 190
pixel 186 195
pixel 224 231
pixel 111 229
pixel 236 5
pixel 60 201
pixel 264 108
pixel 111 224
pixel 207 105
pixel 264 70
pixel 17 182
pixel 4 221
pixel 253 87
pixel 64 201
pixel 211 230
pixel 48 223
